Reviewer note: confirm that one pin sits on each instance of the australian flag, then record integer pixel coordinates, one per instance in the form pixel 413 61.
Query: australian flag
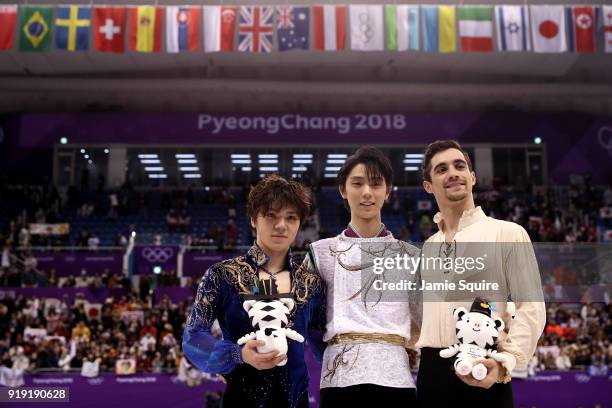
pixel 292 28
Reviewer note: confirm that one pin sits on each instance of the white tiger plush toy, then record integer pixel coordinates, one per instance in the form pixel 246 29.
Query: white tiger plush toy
pixel 269 318
pixel 477 334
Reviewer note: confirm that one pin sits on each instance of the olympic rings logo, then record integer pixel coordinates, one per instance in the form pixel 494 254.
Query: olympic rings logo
pixel 157 254
pixel 605 138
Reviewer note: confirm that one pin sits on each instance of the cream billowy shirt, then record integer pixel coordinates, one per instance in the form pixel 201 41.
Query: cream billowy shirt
pixel 438 326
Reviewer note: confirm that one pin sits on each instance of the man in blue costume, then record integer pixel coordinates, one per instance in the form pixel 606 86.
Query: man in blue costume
pixel 276 208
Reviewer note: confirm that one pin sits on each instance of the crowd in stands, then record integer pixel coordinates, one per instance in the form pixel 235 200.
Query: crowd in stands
pixel 38 334
pixel 576 337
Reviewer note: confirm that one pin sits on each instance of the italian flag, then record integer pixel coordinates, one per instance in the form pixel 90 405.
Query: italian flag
pixel 476 29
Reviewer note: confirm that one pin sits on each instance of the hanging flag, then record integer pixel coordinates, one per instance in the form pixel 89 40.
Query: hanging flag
pixel 439 33
pixel 255 29
pixel 607 27
pixel 219 28
pixel 581 22
pixel 72 28
pixel 548 29
pixel 146 28
pixel 292 27
pixel 512 28
pixel 36 24
pixel 109 29
pixel 182 28
pixel 402 24
pixel 329 26
pixel 476 28
pixel 8 22
pixel 366 28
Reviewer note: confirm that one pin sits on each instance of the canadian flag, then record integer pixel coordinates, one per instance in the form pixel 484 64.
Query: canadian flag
pixel 548 29
pixel 219 27
pixel 109 29
pixel 329 27
pixel 582 30
pixel 607 27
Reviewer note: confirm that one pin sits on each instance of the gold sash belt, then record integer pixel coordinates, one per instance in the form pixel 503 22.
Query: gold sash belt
pixel 394 339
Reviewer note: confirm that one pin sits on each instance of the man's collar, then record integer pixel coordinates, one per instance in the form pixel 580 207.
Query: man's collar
pixel 258 257
pixel 352 233
pixel 469 217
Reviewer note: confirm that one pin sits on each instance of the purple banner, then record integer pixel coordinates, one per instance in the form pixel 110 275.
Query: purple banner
pixel 576 143
pixel 92 295
pixel 196 263
pixel 148 257
pixel 94 263
pixel 548 389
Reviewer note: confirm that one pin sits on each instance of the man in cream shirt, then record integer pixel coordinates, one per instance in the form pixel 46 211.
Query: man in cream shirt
pixel 448 175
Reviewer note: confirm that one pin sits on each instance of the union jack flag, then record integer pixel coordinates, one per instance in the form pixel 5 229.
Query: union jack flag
pixel 256 29
pixel 285 17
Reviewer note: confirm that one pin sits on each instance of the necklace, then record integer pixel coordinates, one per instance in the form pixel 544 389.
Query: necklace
pixel 272 274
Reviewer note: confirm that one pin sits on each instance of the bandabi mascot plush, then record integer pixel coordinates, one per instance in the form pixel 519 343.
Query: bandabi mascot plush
pixel 269 312
pixel 477 332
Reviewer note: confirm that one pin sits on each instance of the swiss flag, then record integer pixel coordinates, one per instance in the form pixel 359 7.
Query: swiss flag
pixel 109 29
pixel 582 30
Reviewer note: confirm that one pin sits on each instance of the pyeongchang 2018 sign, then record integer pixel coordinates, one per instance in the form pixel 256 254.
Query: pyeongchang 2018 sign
pixel 274 124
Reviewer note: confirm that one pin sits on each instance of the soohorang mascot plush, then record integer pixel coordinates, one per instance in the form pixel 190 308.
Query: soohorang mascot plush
pixel 269 313
pixel 477 332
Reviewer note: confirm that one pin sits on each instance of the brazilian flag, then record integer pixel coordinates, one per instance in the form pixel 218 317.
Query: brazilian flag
pixel 35 28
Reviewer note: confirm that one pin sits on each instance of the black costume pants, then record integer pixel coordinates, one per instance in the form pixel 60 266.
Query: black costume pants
pixel 367 395
pixel 439 386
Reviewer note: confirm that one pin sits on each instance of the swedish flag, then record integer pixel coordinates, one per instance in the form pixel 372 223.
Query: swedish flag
pixel 72 28
pixel 36 24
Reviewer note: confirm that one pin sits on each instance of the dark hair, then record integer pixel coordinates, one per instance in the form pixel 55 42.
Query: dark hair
pixel 376 163
pixel 274 192
pixel 437 147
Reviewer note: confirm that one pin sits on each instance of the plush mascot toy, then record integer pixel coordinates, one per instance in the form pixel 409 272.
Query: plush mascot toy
pixel 269 313
pixel 477 334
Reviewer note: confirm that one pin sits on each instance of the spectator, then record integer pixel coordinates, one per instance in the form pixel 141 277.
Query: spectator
pixel 563 361
pixel 81 333
pixel 93 242
pixel 120 240
pixel 184 221
pixel 171 220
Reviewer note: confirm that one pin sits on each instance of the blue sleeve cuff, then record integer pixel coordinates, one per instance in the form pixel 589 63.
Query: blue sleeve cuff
pixel 237 354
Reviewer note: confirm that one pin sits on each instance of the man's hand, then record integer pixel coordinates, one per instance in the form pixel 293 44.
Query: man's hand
pixel 494 369
pixel 261 361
